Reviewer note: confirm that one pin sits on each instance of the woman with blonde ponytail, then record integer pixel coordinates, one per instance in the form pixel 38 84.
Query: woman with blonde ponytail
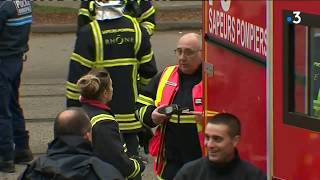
pixel 96 91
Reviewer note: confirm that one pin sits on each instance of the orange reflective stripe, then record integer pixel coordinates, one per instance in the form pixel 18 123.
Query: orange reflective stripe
pixel 168 86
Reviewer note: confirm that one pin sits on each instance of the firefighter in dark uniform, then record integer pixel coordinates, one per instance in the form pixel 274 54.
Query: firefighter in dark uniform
pixel 143 10
pixel 15 22
pixel 180 84
pixel 96 91
pixel 118 43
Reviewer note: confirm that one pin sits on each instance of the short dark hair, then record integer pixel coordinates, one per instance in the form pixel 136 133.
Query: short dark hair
pixel 73 121
pixel 229 120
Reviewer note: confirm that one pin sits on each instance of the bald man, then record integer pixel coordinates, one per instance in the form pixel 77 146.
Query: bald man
pixel 69 155
pixel 73 121
pixel 176 141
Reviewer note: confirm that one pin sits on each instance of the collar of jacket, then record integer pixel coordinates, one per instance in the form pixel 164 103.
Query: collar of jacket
pixel 94 103
pixel 69 144
pixel 103 13
pixel 198 72
pixel 224 168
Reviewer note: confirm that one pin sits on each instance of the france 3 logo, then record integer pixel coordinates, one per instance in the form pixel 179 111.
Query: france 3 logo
pixel 295 18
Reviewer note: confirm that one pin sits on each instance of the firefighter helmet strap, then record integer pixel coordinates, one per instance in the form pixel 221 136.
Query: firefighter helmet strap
pixel 92 7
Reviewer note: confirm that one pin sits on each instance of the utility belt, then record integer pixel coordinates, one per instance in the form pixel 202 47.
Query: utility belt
pixel 183 119
pixel 178 114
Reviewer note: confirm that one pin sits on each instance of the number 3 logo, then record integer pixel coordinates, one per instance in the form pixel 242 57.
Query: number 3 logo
pixel 297 18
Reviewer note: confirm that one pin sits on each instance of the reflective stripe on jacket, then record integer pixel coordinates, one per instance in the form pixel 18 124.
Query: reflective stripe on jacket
pixel 15 24
pixel 121 47
pixel 107 141
pixel 167 89
pixel 169 85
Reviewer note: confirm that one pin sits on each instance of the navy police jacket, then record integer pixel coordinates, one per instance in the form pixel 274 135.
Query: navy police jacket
pixel 15 22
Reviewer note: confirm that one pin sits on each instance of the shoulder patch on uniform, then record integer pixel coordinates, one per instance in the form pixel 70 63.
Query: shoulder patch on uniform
pixel 198 101
pixel 23 7
pixel 170 83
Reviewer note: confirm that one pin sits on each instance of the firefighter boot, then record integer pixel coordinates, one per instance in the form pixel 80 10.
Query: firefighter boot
pixel 6 166
pixel 23 155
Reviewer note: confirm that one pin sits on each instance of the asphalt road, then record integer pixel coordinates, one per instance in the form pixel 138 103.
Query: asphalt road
pixel 43 84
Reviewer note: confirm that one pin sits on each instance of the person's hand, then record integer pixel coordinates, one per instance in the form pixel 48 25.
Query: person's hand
pixel 142 162
pixel 157 117
pixel 144 137
pixel 24 57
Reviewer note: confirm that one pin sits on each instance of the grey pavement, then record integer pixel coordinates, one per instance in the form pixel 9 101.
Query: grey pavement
pixel 160 5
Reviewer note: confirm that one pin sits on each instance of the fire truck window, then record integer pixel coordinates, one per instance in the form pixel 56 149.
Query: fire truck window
pixel 300 69
pixel 307 70
pixel 315 72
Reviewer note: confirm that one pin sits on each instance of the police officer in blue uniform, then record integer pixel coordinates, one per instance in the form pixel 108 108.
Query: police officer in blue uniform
pixel 15 22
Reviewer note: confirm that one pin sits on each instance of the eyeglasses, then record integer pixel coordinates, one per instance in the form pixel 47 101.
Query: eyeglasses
pixel 187 51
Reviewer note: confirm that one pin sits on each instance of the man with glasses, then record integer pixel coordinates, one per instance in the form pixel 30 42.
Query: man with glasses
pixel 177 139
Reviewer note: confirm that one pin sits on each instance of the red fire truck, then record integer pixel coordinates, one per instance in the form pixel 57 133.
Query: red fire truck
pixel 262 63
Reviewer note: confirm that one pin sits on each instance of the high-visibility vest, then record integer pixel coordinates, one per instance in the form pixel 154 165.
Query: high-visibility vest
pixel 167 89
pixel 169 85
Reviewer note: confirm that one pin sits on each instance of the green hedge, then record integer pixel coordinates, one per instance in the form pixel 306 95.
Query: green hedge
pixel 52 10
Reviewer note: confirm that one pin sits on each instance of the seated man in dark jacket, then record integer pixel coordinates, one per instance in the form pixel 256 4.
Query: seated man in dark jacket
pixel 222 134
pixel 69 155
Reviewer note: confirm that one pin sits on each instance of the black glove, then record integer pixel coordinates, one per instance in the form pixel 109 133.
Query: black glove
pixel 142 162
pixel 144 137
